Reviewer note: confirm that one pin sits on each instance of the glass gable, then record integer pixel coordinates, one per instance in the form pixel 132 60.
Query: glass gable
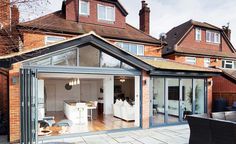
pixel 87 56
pixel 65 59
pixel 109 62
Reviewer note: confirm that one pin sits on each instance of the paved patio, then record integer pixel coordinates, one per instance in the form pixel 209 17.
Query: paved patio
pixel 164 135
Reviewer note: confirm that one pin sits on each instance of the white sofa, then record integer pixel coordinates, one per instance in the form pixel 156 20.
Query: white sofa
pixel 123 110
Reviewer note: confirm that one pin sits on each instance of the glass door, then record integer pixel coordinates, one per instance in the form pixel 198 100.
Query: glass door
pixel 186 98
pixel 172 102
pixel 175 98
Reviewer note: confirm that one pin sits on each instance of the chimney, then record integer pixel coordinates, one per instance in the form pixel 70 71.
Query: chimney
pixel 227 31
pixel 15 15
pixel 5 13
pixel 144 18
pixel 72 10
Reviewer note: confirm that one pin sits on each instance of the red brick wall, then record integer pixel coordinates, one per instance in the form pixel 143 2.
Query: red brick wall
pixel 152 51
pixel 14 97
pixel 224 88
pixel 35 40
pixel 190 42
pixel 72 13
pixel 199 60
pixel 145 100
pixel 222 85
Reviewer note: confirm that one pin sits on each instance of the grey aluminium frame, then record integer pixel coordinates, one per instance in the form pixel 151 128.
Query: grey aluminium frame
pixel 78 70
pixel 180 100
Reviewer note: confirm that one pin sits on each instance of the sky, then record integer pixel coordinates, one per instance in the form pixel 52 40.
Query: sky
pixel 165 14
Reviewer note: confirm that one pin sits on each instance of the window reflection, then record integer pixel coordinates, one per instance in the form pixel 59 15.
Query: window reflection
pixel 89 56
pixel 43 62
pixel 65 59
pixel 109 62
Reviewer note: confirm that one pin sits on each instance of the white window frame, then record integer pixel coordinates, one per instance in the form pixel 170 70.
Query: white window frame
pixel 228 62
pixel 217 40
pixel 198 34
pixel 139 52
pixel 207 62
pixel 47 42
pixel 106 18
pixel 190 60
pixel 213 35
pixel 88 8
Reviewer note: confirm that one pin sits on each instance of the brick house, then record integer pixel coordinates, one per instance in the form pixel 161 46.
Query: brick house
pixel 9 17
pixel 84 69
pixel 205 45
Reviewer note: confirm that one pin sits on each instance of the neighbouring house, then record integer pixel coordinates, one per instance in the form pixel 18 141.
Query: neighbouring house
pixel 9 17
pixel 205 45
pixel 83 69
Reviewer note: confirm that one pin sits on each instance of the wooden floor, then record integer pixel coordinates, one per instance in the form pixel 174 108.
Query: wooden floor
pixel 99 123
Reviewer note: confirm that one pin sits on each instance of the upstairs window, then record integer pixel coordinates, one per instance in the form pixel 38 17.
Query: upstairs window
pixel 212 37
pixel 84 7
pixel 228 64
pixel 132 48
pixel 190 60
pixel 106 13
pixel 207 62
pixel 53 39
pixel 198 34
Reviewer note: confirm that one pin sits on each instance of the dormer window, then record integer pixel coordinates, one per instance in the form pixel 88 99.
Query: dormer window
pixel 84 7
pixel 106 13
pixel 198 34
pixel 212 37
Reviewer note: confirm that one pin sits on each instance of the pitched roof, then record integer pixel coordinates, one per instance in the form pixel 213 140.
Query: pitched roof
pixel 96 40
pixel 56 22
pixel 230 74
pixel 176 34
pixel 90 38
pixel 167 64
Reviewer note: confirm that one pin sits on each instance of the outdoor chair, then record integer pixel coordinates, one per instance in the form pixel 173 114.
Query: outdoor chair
pixel 200 132
pixel 223 132
pixel 207 130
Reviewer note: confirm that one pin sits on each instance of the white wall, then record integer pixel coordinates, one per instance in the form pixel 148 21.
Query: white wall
pixel 57 94
pixel 108 94
pixel 88 90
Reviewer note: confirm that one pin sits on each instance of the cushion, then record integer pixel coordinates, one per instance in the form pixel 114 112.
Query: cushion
pixel 126 104
pixel 218 115
pixel 119 102
pixel 230 116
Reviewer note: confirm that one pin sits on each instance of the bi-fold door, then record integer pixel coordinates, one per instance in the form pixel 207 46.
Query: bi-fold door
pixel 28 84
pixel 174 98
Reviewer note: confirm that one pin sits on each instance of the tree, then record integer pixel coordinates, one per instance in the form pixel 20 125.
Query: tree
pixel 9 18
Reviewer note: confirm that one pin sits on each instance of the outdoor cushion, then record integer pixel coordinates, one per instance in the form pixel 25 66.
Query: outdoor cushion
pixel 230 116
pixel 64 122
pixel 218 115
